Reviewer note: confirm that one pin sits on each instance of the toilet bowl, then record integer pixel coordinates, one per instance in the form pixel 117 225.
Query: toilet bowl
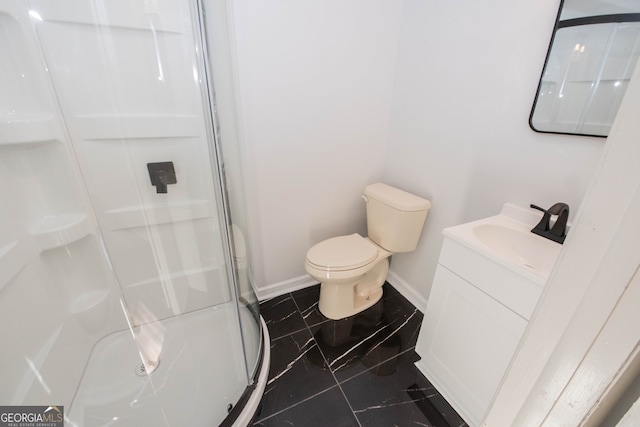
pixel 352 269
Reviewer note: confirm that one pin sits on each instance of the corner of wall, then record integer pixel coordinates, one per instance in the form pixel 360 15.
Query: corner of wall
pixel 407 291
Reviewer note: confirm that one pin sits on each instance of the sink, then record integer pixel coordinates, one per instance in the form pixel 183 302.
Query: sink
pixel 507 239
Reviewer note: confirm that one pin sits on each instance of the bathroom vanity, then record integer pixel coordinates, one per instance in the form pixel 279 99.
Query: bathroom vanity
pixel 490 275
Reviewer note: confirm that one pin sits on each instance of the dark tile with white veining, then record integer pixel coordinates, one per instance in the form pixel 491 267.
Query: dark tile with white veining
pixel 377 337
pixel 326 409
pixel 405 319
pixel 404 398
pixel 297 372
pixel 307 301
pixel 281 316
pixel 344 342
pixel 370 354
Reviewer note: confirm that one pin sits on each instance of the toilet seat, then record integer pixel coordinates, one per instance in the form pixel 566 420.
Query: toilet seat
pixel 342 253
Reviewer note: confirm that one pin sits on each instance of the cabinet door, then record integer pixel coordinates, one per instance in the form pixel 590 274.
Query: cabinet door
pixel 466 343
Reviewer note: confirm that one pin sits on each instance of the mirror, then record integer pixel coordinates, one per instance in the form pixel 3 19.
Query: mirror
pixel 594 48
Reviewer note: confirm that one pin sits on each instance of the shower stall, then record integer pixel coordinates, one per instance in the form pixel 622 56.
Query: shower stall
pixel 124 282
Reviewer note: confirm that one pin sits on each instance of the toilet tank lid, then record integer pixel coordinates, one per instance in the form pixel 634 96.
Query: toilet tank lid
pixel 396 198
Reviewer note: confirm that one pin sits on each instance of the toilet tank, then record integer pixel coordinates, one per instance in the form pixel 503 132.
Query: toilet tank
pixel 394 217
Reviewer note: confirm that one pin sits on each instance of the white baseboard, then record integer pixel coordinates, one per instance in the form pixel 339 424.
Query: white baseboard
pixel 407 291
pixel 305 281
pixel 282 288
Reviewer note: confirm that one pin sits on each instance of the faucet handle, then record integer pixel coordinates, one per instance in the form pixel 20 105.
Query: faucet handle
pixel 543 225
pixel 538 208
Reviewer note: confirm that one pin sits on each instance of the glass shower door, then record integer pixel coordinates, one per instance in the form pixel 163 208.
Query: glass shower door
pixel 115 277
pixel 57 293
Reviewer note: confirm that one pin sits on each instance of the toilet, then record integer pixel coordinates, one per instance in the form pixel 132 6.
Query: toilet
pixel 352 269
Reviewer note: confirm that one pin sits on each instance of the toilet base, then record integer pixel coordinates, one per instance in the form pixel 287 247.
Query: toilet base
pixel 338 301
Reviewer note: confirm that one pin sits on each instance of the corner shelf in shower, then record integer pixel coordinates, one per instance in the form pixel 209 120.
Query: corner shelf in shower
pixel 91 309
pixel 26 130
pixel 13 258
pixel 57 231
pixel 143 215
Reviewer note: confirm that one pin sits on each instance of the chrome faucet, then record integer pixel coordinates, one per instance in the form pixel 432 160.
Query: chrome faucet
pixel 558 231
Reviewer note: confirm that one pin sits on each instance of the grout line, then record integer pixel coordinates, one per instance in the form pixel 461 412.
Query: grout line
pixel 302 354
pixel 328 366
pixel 298 310
pixel 349 403
pixel 410 349
pixel 394 331
pixel 338 384
pixel 370 336
pixel 295 404
pixel 288 334
pixel 290 365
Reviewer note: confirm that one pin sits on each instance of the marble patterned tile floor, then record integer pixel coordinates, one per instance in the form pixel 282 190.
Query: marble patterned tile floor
pixel 357 371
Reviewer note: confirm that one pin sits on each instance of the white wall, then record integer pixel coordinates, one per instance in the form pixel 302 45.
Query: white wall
pixel 315 81
pixel 431 96
pixel 466 79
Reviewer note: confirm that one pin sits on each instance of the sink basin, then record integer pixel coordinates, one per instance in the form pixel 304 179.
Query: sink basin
pixel 521 247
pixel 507 239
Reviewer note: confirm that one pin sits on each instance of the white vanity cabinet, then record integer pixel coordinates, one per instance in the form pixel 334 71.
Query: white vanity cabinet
pixel 476 314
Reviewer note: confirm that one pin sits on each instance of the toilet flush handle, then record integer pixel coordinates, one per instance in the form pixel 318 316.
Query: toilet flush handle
pixel 365 198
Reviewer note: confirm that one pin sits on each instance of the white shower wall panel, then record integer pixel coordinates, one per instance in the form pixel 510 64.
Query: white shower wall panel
pixel 118 179
pixel 190 275
pixel 114 58
pixel 20 86
pixel 129 87
pixel 30 363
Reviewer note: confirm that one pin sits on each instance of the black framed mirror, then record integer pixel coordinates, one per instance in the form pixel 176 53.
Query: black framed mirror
pixel 593 51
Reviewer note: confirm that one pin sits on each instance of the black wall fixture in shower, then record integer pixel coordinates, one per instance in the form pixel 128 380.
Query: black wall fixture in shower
pixel 162 174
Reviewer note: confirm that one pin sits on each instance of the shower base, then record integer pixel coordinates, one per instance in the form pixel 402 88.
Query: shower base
pixel 197 374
